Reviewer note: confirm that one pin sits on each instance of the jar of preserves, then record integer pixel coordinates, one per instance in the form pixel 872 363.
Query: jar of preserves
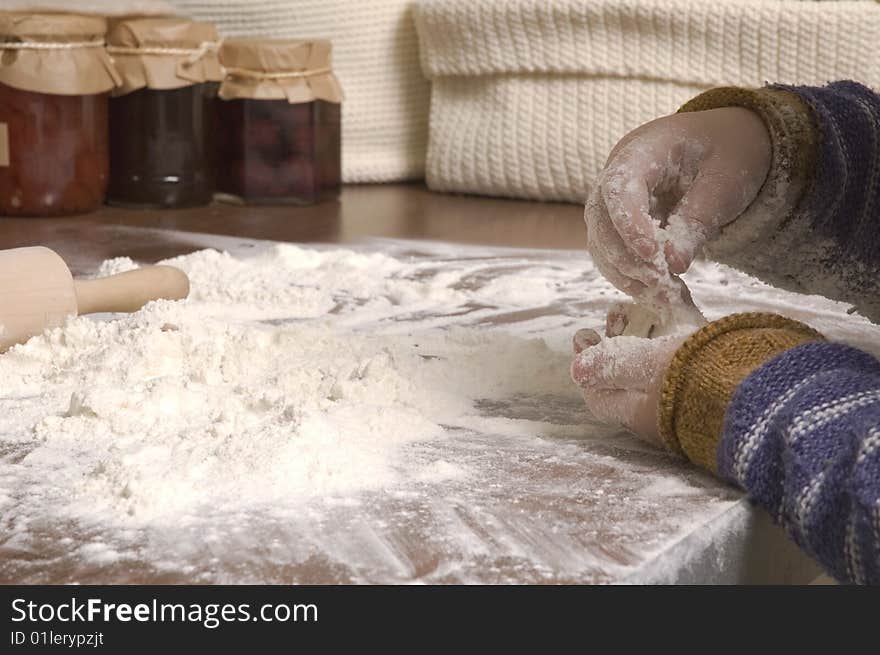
pixel 54 79
pixel 279 122
pixel 161 117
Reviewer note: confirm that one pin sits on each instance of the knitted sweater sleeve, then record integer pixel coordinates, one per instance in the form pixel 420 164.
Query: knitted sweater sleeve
pixel 815 225
pixel 768 405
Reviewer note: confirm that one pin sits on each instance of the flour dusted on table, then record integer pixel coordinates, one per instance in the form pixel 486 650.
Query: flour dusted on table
pixel 392 412
pixel 212 402
pixel 168 413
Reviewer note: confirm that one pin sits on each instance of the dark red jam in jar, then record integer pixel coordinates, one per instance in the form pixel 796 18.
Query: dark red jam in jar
pixel 56 153
pixel 279 123
pixel 53 125
pixel 161 117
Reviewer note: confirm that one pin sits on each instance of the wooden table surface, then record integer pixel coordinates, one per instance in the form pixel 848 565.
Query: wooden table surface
pixel 406 211
pixel 740 546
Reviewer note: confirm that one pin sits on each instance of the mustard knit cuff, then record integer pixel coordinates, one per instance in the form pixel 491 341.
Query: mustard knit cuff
pixel 705 372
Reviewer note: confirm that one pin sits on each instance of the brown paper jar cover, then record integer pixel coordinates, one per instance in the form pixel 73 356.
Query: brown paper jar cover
pixel 163 53
pixel 61 54
pixel 278 69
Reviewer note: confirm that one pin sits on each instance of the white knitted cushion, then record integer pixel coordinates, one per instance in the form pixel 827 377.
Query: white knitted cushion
pixel 375 56
pixel 103 7
pixel 529 96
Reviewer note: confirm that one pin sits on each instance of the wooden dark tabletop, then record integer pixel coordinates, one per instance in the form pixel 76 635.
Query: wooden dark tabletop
pixel 738 546
pixel 387 210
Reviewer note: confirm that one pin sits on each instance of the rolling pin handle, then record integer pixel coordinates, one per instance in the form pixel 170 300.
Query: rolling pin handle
pixel 129 291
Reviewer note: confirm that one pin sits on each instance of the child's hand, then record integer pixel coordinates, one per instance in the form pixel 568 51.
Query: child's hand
pixel 666 189
pixel 620 377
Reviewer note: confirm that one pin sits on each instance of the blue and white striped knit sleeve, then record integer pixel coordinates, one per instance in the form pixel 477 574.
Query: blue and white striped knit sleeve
pixel 842 206
pixel 802 437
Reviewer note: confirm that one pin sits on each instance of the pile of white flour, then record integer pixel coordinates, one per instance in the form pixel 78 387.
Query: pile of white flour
pixel 376 413
pixel 257 389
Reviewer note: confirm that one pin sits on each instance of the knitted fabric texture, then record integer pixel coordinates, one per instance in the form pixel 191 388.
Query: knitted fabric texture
pixel 375 58
pixel 802 437
pixel 814 225
pixel 706 370
pixel 529 97
pixel 101 7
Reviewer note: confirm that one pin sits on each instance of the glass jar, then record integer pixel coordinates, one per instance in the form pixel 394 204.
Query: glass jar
pixel 161 115
pixel 54 79
pixel 278 123
pixel 274 152
pixel 161 147
pixel 57 153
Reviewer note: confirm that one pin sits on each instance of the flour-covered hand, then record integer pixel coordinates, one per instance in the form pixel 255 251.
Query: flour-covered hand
pixel 620 378
pixel 667 188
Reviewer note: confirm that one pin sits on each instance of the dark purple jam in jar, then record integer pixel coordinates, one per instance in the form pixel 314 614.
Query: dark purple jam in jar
pixel 278 123
pixel 271 151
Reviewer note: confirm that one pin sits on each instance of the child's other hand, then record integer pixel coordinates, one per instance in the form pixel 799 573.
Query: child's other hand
pixel 666 189
pixel 620 377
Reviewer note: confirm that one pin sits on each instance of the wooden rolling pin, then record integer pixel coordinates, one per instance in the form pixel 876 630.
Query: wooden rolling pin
pixel 37 292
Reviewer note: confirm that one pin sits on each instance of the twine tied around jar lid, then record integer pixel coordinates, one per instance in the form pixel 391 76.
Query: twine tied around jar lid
pixel 275 69
pixel 259 75
pixel 61 54
pixel 37 45
pixel 164 53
